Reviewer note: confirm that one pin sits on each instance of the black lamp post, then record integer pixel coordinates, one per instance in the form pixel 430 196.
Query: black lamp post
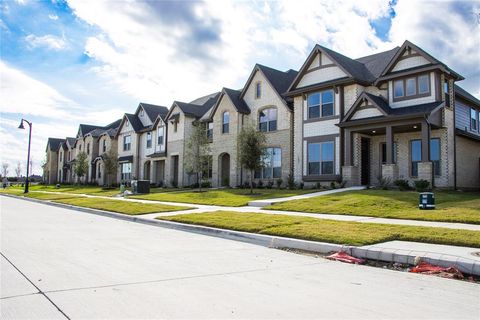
pixel 28 156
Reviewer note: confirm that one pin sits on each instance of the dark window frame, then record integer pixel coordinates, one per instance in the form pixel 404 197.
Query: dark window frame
pixel 149 140
pixel 320 161
pixel 474 119
pixel 209 131
pixel 275 172
pixel 269 124
pixel 258 90
pixel 160 138
pixel 127 146
pixel 225 124
pixel 403 81
pixel 321 105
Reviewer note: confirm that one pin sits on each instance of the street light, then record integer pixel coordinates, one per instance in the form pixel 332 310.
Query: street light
pixel 28 155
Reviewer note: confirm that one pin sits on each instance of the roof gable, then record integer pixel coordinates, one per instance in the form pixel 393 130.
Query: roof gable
pixel 53 144
pixel 366 106
pixel 234 97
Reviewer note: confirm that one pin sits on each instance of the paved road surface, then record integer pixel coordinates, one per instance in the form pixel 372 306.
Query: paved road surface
pixel 88 266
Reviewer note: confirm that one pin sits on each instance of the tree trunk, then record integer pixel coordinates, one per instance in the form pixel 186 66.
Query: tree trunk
pixel 251 181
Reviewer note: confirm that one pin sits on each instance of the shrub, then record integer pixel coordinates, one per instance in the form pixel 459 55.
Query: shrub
pixel 260 184
pixel 279 183
pixel 206 184
pixel 384 182
pixel 301 185
pixel 174 184
pixel 333 185
pixel 421 185
pixel 402 184
pixel 269 184
pixel 291 182
pixel 226 181
pixel 318 185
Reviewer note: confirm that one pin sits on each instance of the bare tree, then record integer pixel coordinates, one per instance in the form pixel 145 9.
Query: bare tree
pixel 18 169
pixel 5 169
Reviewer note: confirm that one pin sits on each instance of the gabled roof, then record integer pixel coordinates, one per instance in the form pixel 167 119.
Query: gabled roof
pixel 153 111
pixel 196 109
pixel 71 141
pixel 279 80
pixel 376 101
pixel 377 62
pixel 234 96
pixel 134 122
pixel 459 91
pixel 86 128
pixel 114 125
pixel 54 144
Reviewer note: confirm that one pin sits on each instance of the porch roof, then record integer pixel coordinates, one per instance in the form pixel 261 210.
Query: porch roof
pixel 157 155
pixel 125 159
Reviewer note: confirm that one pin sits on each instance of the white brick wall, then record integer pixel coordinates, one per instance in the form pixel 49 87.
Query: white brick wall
pixel 320 128
pixel 366 113
pixel 321 75
pixel 410 63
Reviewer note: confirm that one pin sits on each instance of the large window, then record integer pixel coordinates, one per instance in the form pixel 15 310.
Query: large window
pixel 208 167
pixel 258 90
pixel 210 131
pixel 383 152
pixel 126 170
pixel 321 158
pixel 473 120
pixel 226 122
pixel 127 143
pixel 88 148
pixel 415 156
pixel 435 155
pixel 272 165
pixel 268 120
pixel 413 87
pixel 104 145
pixel 149 140
pixel 160 133
pixel 320 104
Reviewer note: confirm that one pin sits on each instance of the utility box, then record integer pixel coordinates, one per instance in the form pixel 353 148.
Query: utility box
pixel 142 186
pixel 426 201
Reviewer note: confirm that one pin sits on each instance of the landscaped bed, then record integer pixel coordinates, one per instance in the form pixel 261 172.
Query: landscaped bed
pixel 451 206
pixel 340 232
pixel 221 197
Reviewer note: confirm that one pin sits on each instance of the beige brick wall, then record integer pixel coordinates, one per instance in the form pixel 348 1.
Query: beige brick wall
pixel 297 138
pixel 468 163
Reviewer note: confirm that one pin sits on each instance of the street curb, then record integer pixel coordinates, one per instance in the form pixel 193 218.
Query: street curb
pixel 465 265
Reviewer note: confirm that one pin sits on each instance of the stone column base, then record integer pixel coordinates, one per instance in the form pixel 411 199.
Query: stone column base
pixel 351 175
pixel 390 171
pixel 425 171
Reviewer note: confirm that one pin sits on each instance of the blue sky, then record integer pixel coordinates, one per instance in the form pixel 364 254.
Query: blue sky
pixel 89 61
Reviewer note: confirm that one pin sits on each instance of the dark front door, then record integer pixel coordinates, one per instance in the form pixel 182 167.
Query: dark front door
pixel 365 162
pixel 175 171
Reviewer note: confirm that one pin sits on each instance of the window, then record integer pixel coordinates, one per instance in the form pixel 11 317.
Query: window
pixel 149 140
pixel 127 143
pixel 272 165
pixel 126 123
pixel 210 130
pixel 435 155
pixel 68 155
pixel 175 126
pixel 473 119
pixel 126 171
pixel 104 145
pixel 88 148
pixel 320 104
pixel 80 147
pixel 383 152
pixel 160 131
pixel 410 88
pixel 446 90
pixel 321 158
pixel 268 120
pixel 416 156
pixel 398 89
pixel 141 112
pixel 258 90
pixel 226 122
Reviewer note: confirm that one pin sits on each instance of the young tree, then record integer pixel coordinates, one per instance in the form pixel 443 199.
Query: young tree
pixel 251 147
pixel 18 169
pixel 197 152
pixel 110 162
pixel 81 166
pixel 4 169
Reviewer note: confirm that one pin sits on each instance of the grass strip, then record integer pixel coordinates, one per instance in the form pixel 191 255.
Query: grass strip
pixel 451 206
pixel 331 231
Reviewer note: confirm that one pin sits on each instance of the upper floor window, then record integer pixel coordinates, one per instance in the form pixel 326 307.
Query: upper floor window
pixel 160 131
pixel 127 143
pixel 268 120
pixel 473 119
pixel 210 130
pixel 68 155
pixel 149 140
pixel 175 126
pixel 321 158
pixel 104 145
pixel 258 90
pixel 320 104
pixel 226 122
pixel 88 148
pixel 408 88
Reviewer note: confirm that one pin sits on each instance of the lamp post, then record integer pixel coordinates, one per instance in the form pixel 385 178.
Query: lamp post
pixel 28 155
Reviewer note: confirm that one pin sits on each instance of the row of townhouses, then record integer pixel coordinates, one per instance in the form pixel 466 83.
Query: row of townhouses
pixel 397 114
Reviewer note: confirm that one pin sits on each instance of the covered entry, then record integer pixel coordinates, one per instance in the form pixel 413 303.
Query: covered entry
pixel 224 161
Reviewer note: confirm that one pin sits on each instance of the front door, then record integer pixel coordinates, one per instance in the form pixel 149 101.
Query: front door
pixel 225 165
pixel 365 162
pixel 175 171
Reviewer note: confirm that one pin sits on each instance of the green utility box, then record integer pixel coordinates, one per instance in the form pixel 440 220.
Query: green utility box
pixel 426 201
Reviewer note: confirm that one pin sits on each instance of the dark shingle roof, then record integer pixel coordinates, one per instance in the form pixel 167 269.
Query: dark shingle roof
pixel 466 95
pixel 376 63
pixel 54 143
pixel 204 99
pixel 153 111
pixel 419 108
pixel 86 128
pixel 134 122
pixel 113 125
pixel 379 101
pixel 237 101
pixel 196 109
pixel 280 80
pixel 71 141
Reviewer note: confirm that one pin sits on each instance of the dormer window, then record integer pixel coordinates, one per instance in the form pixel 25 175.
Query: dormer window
pixel 411 88
pixel 258 90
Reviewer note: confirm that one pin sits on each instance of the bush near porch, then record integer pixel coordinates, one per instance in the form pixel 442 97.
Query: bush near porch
pixel 451 206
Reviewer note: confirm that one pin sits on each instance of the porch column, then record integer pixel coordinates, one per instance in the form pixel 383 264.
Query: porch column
pixel 348 147
pixel 389 143
pixel 349 172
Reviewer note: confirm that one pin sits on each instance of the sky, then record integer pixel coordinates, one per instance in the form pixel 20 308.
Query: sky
pixel 89 61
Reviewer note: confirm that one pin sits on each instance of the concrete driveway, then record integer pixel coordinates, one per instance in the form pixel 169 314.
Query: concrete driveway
pixel 89 266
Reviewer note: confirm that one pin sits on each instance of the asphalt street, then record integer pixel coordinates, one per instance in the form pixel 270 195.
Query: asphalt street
pixel 59 263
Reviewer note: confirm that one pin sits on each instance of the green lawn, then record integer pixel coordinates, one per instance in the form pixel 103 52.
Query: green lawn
pixel 451 206
pixel 220 197
pixel 340 232
pixel 91 190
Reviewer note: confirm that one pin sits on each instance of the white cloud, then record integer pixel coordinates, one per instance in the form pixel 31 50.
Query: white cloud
pixel 48 41
pixel 53 17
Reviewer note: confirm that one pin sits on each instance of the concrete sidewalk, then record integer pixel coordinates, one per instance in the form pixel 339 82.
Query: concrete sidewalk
pixel 267 202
